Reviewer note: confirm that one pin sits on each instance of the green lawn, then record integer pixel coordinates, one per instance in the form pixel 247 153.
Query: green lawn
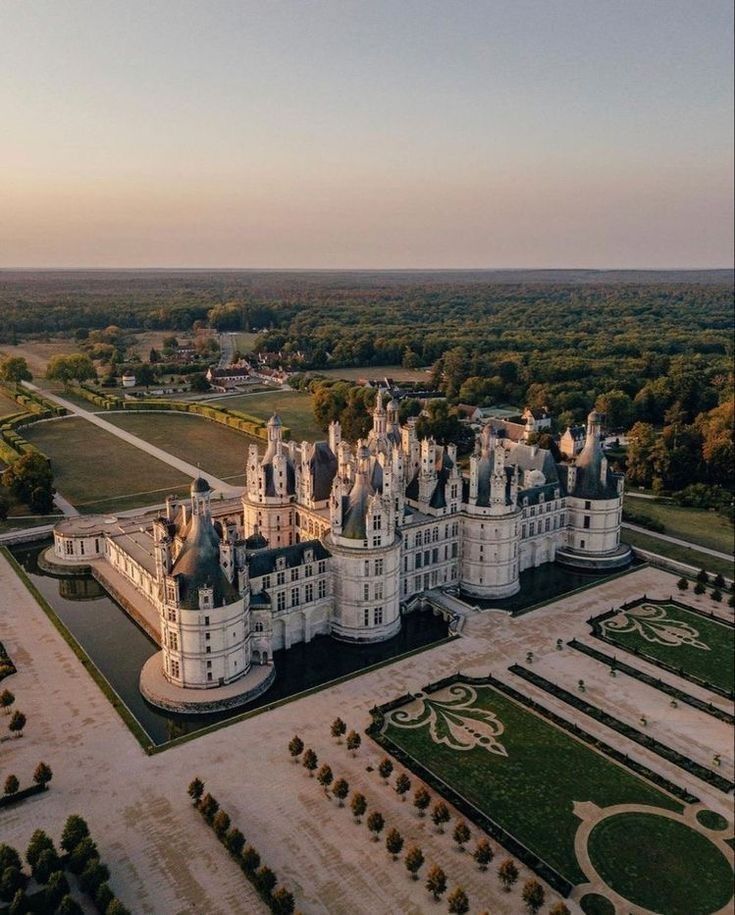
pixel 96 471
pixel 218 449
pixel 661 864
pixel 696 525
pixel 530 792
pixel 699 646
pixel 294 408
pixel 692 557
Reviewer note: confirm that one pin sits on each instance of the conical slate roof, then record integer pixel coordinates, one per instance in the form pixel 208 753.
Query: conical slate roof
pixel 197 566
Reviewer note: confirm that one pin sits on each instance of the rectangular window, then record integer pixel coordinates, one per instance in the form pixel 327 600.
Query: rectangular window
pixel 366 617
pixel 295 597
pixel 280 578
pixel 378 566
pixel 435 555
pixel 171 615
pixel 69 547
pixel 427 557
pixel 308 571
pixel 366 592
pixel 309 593
pixel 418 561
pixel 587 505
pixel 281 600
pixel 175 669
pixel 367 567
pixel 547 524
pixel 586 522
pixel 378 590
pixel 294 574
pixel 173 641
pixel 454 551
pixel 322 567
pixel 266 582
pixel 322 590
pixel 378 616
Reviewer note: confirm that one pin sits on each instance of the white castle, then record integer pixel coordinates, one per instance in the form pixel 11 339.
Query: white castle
pixel 335 539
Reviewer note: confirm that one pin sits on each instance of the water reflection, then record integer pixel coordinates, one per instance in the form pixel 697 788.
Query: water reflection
pixel 119 649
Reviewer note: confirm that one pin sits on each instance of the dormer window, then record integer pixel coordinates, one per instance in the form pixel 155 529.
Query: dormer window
pixel 308 555
pixel 281 562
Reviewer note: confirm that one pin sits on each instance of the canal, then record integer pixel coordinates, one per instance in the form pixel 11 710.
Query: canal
pixel 119 648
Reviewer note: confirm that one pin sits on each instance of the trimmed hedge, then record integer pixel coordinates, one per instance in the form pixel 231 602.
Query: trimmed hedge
pixel 615 724
pixel 658 684
pixel 8 799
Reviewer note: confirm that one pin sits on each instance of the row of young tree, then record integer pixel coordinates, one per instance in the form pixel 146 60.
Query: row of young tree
pixel 279 900
pixel 42 775
pixel 532 894
pixel 79 856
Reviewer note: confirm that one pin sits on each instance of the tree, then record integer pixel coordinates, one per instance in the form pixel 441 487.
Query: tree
pixel 75 829
pixel 235 841
pixel 310 761
pixel 375 824
pixel 483 854
pixel 385 767
pixel 282 902
pixel 508 874
pixel 403 785
pixel 340 790
pixel 414 860
pixel 559 908
pixel 338 729
pixel 353 742
pixel 103 897
pixel 682 584
pixel 82 853
pixel 716 595
pixel 325 776
pixel 458 902
pixel 29 479
pixel 461 834
pixel 699 588
pixel 11 880
pixel 440 815
pixel 718 581
pixel 196 790
pixel 19 905
pixel 250 859
pixel 358 805
pixel 116 908
pixel 93 875
pixel 198 383
pixel 9 857
pixel 11 785
pixel 640 454
pixel 394 842
pixel 295 747
pixel 13 370
pixel 39 842
pixel 617 407
pixel 421 800
pixel 208 807
pixel 533 895
pixel 702 576
pixel 66 369
pixel 221 823
pixel 57 886
pixel 47 863
pixel 436 881
pixel 42 774
pixel 265 880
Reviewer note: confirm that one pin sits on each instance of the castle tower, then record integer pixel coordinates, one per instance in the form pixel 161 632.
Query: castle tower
pixel 270 489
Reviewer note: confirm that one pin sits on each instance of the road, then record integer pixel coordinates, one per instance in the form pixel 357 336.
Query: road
pixel 227 489
pixel 678 542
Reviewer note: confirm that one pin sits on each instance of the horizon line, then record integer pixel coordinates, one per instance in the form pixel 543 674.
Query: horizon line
pixel 48 269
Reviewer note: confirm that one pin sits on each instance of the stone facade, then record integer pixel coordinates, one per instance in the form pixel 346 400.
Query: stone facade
pixel 339 540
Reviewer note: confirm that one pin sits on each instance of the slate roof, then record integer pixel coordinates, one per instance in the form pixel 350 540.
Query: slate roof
pixel 264 561
pixel 197 566
pixel 323 468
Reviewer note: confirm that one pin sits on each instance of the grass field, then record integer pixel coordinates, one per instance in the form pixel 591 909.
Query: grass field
pixel 8 406
pixel 96 471
pixel 687 874
pixel 530 792
pixel 697 645
pixel 244 342
pixel 294 408
pixel 38 352
pixel 377 373
pixel 219 450
pixel 696 525
pixel 684 554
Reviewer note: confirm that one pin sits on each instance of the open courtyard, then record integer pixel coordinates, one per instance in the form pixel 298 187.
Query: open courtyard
pixel 137 807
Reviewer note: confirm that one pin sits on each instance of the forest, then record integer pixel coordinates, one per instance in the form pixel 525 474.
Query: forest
pixel 653 349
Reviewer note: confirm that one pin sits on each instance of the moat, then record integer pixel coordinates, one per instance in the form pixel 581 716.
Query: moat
pixel 119 648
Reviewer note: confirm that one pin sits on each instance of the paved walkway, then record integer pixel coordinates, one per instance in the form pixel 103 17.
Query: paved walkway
pixel 185 467
pixel 678 542
pixel 65 506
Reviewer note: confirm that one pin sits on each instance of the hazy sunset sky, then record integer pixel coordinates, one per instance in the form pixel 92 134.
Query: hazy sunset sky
pixel 333 133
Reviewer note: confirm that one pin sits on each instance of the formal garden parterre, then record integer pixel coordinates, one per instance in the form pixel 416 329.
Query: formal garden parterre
pixel 533 784
pixel 676 637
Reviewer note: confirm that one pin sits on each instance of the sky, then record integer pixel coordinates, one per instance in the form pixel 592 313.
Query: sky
pixel 366 133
